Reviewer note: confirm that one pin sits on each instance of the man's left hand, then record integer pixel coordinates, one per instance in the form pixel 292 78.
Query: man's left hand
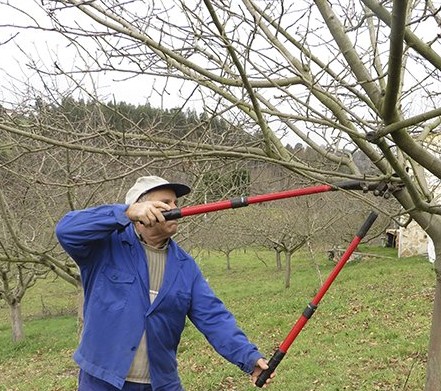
pixel 261 365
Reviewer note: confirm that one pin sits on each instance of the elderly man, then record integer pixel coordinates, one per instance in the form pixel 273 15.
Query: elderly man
pixel 139 287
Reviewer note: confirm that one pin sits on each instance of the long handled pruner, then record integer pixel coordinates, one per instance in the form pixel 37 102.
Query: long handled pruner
pixel 381 189
pixel 312 306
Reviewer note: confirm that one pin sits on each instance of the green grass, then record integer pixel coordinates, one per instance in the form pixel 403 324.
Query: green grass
pixel 43 360
pixel 370 331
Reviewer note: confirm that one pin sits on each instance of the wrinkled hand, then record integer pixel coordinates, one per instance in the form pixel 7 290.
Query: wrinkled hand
pixel 147 213
pixel 261 365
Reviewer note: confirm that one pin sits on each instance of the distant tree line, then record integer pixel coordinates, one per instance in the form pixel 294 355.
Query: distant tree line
pixel 97 155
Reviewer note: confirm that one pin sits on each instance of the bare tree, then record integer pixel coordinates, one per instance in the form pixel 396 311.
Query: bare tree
pixel 354 76
pixel 16 277
pixel 225 232
pixel 318 222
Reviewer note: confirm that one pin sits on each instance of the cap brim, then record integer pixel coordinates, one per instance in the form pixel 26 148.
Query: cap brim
pixel 179 188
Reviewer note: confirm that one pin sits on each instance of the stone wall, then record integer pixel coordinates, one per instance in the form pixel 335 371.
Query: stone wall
pixel 412 241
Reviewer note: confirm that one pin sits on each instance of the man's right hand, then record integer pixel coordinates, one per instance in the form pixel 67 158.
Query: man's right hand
pixel 147 213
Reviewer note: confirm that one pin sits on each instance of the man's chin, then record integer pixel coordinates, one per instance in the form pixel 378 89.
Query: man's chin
pixel 172 225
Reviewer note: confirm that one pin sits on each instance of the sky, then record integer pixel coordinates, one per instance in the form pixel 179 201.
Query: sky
pixel 24 49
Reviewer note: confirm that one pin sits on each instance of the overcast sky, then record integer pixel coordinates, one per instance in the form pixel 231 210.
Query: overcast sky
pixel 22 49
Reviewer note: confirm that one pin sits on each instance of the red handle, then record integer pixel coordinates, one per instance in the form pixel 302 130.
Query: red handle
pixel 245 201
pixel 312 306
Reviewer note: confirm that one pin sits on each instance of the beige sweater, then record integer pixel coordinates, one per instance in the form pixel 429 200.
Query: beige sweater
pixel 156 259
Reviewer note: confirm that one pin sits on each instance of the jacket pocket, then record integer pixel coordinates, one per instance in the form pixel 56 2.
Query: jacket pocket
pixel 184 299
pixel 113 288
pixel 176 305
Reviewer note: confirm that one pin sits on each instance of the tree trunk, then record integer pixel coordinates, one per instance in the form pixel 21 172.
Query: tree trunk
pixel 433 377
pixel 288 270
pixel 278 260
pixel 228 261
pixel 80 317
pixel 16 321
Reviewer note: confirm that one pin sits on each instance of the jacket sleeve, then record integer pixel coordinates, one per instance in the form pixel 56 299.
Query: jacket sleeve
pixel 211 317
pixel 79 230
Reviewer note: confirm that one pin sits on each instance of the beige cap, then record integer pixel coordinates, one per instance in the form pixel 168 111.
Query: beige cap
pixel 147 183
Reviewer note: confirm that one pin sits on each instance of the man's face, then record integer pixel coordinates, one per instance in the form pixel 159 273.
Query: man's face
pixel 160 230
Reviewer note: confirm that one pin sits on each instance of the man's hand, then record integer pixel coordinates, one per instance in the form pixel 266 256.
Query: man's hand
pixel 148 212
pixel 261 365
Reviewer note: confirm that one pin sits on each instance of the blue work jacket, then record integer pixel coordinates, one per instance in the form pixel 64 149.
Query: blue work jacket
pixel 117 308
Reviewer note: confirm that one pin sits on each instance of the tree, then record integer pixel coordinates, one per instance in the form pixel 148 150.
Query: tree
pixel 16 277
pixel 225 232
pixel 354 76
pixel 319 223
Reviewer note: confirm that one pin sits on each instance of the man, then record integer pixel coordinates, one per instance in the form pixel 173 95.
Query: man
pixel 139 287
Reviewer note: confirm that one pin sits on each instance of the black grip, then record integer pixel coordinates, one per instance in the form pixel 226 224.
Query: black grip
pixel 172 214
pixel 355 185
pixel 349 185
pixel 367 224
pixel 272 365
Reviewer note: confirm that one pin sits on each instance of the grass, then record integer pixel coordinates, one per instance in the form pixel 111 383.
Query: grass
pixel 42 361
pixel 370 331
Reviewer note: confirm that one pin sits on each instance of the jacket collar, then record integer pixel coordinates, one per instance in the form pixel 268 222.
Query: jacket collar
pixel 128 235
